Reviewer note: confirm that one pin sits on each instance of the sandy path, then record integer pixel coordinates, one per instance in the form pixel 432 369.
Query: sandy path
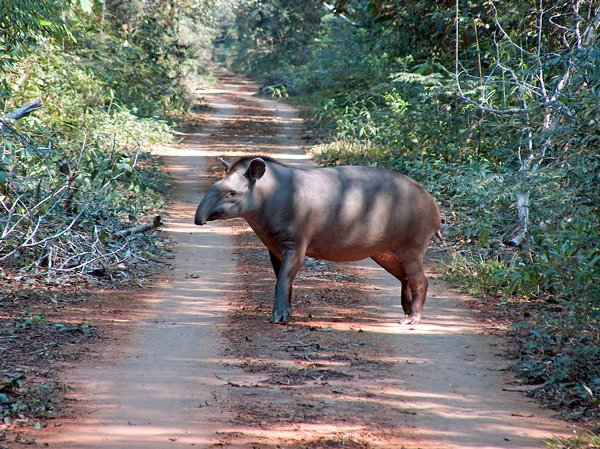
pixel 157 387
pixel 204 369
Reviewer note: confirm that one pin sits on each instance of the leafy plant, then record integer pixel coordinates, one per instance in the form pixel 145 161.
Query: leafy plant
pixel 75 173
pixel 18 400
pixel 584 440
pixel 32 320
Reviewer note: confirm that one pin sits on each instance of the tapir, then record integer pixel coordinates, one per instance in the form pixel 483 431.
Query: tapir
pixel 342 213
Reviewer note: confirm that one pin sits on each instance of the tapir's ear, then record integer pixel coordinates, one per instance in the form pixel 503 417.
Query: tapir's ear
pixel 226 164
pixel 256 169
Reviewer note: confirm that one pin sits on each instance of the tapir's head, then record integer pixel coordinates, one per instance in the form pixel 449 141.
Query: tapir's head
pixel 233 196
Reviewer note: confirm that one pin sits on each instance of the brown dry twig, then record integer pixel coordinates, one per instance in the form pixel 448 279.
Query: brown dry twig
pixel 156 222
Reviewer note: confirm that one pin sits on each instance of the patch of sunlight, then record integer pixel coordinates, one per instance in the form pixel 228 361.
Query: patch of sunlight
pixel 189 228
pixel 301 430
pixel 166 150
pixel 146 434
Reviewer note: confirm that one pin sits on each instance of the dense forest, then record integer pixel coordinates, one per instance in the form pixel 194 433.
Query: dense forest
pixel 493 106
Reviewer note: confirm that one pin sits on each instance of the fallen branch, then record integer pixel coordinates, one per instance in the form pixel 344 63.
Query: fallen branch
pixel 17 114
pixel 24 110
pixel 139 229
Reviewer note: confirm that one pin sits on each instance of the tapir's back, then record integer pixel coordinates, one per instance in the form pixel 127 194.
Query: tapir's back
pixel 354 212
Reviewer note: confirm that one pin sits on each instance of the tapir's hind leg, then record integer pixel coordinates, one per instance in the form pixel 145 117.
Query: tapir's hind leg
pixel 407 267
pixel 417 282
pixel 393 266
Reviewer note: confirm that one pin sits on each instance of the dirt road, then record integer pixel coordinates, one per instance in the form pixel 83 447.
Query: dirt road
pixel 205 369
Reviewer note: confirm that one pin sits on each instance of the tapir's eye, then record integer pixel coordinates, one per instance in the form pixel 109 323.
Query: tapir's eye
pixel 230 194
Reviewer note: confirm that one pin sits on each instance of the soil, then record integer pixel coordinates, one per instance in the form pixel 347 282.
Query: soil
pixel 192 360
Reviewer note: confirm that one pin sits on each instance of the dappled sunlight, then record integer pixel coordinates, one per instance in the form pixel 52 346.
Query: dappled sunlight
pixel 300 432
pixel 196 371
pixel 435 322
pixel 226 152
pixel 167 374
pixel 139 437
pixel 467 407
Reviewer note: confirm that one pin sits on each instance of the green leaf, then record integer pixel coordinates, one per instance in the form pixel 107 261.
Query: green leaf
pixel 484 237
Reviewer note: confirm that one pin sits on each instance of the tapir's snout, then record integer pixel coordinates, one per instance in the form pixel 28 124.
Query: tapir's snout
pixel 202 212
pixel 205 213
pixel 209 208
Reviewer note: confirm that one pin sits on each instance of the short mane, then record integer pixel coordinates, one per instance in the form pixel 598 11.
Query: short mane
pixel 243 159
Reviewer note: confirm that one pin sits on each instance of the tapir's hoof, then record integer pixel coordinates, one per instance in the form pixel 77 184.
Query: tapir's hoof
pixel 280 317
pixel 411 319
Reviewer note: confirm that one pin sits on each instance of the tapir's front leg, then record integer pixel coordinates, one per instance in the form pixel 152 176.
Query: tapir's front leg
pixel 292 256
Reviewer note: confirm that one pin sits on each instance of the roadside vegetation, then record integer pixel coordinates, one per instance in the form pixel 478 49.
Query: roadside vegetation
pixel 493 107
pixel 102 82
pixel 76 172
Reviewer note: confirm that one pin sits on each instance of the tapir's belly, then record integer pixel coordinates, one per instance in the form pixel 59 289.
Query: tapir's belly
pixel 345 245
pixel 342 254
pixel 354 234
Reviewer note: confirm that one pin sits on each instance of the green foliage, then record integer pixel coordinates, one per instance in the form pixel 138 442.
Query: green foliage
pixel 24 23
pixel 74 173
pixel 31 320
pixel 273 34
pixel 60 201
pixel 480 276
pixel 145 51
pixel 19 400
pixel 562 350
pixel 585 440
pixel 514 112
pixel 404 113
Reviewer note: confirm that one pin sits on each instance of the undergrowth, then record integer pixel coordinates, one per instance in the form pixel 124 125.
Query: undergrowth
pixel 78 171
pixel 585 440
pixel 74 173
